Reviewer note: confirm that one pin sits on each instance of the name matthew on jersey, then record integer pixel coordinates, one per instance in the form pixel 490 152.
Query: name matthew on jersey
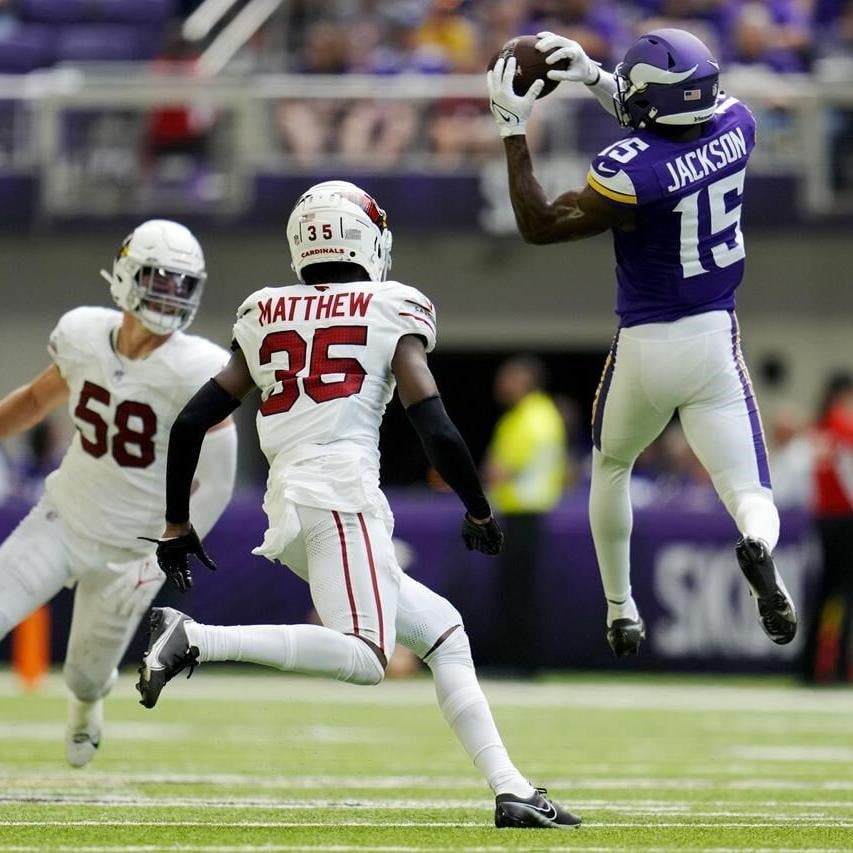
pixel 320 306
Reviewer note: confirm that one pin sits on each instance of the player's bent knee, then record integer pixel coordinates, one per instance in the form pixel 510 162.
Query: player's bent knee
pixel 87 687
pixel 452 647
pixel 367 664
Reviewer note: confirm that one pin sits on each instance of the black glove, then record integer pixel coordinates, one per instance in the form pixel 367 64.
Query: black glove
pixel 487 538
pixel 173 556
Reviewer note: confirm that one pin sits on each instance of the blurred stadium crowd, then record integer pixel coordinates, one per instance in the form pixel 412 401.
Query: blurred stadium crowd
pixel 433 36
pixel 441 36
pixel 425 37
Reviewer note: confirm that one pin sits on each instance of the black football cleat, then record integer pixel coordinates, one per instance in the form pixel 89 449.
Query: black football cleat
pixel 169 652
pixel 535 812
pixel 625 636
pixel 776 611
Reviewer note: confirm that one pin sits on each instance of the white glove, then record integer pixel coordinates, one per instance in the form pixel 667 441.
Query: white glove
pixel 511 111
pixel 581 68
pixel 135 585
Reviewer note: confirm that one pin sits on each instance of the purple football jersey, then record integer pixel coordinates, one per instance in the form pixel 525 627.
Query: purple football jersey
pixel 686 254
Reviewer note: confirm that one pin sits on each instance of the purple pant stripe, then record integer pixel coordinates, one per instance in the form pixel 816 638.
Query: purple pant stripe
pixel 601 393
pixel 751 407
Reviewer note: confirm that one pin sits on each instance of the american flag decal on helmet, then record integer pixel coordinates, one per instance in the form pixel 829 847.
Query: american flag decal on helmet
pixel 692 94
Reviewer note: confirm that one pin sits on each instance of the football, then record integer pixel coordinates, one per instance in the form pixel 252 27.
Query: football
pixel 531 64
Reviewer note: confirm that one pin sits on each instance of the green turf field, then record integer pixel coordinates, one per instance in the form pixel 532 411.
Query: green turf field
pixel 234 762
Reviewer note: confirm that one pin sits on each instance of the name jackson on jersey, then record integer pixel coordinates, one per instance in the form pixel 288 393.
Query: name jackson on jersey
pixel 707 159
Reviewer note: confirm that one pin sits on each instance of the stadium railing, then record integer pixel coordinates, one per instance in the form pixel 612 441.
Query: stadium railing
pixel 100 141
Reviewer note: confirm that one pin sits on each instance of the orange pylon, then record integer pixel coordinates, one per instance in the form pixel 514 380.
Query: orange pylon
pixel 31 647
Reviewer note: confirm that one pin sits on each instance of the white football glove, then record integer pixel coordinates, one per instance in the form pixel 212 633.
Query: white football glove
pixel 511 111
pixel 581 68
pixel 135 585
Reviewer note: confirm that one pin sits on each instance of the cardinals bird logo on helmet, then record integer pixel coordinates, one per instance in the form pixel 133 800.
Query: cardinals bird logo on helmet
pixel 158 275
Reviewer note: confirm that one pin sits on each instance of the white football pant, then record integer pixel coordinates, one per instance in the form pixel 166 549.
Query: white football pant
pixel 692 366
pixel 361 594
pixel 114 588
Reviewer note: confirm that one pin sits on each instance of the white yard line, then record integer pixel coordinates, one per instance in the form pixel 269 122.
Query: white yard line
pixel 691 808
pixel 775 699
pixel 368 824
pixel 794 752
pixel 21 730
pixel 14 775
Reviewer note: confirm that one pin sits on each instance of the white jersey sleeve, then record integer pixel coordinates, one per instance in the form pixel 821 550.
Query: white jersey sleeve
pixel 199 361
pixel 245 334
pixel 409 312
pixel 70 342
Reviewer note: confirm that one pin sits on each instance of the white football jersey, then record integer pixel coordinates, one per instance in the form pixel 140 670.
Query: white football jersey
pixel 321 356
pixel 110 486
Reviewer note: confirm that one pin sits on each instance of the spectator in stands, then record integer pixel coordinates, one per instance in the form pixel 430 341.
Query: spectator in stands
pixel 498 22
pixel 309 127
pixel 836 66
pixel 827 654
pixel 178 135
pixel 706 19
pixel 595 24
pixel 376 133
pixel 457 128
pixel 526 472
pixel 792 457
pixel 774 35
pixel 448 35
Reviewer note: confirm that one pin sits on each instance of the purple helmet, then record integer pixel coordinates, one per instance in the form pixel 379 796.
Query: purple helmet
pixel 668 76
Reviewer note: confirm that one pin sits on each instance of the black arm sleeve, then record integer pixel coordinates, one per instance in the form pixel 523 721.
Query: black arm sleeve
pixel 448 453
pixel 206 408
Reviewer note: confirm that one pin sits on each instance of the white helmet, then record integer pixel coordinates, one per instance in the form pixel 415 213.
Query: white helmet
pixel 158 276
pixel 339 222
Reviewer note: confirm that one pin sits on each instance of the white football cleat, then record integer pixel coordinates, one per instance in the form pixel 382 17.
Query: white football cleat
pixel 83 733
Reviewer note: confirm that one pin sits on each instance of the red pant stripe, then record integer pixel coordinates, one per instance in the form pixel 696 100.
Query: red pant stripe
pixel 345 559
pixel 374 581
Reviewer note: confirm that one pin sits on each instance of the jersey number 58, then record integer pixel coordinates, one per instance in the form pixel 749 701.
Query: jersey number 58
pixel 136 424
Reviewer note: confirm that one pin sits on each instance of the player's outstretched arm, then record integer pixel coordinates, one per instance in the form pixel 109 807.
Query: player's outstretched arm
pixel 30 404
pixel 444 446
pixel 572 216
pixel 210 405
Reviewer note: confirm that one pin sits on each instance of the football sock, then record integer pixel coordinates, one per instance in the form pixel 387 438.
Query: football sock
pixel 467 712
pixel 621 610
pixel 756 517
pixel 611 519
pixel 85 715
pixel 310 649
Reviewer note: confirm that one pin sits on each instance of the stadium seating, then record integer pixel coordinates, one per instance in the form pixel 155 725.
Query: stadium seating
pixel 51 31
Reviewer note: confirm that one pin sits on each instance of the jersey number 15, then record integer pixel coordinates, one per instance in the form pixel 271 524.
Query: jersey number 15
pixel 705 216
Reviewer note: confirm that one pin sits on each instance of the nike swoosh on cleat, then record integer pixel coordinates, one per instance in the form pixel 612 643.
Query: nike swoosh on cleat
pixel 550 813
pixel 158 645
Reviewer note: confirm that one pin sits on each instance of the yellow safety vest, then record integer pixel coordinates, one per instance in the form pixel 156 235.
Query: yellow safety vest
pixel 530 443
